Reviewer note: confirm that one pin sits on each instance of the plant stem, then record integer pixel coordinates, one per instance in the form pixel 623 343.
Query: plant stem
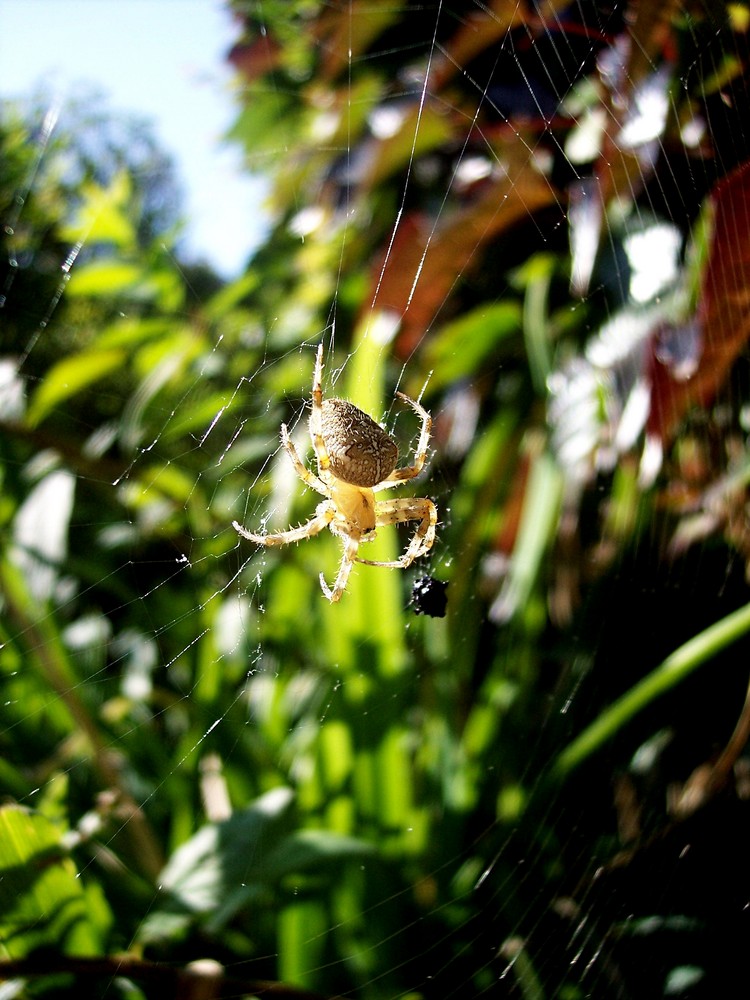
pixel 677 666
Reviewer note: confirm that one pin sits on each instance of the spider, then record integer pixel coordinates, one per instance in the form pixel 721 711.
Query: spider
pixel 356 459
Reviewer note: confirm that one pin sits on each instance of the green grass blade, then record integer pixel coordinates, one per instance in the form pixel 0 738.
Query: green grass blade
pixel 677 666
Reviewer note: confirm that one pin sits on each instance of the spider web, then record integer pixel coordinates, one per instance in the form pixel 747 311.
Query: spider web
pixel 534 220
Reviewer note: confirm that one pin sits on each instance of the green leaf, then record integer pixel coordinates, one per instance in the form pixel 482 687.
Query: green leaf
pixel 677 667
pixel 226 866
pixel 541 508
pixel 104 278
pixel 462 347
pixel 43 903
pixel 104 216
pixel 133 332
pixel 269 123
pixel 301 936
pixel 204 870
pixel 200 415
pixel 312 850
pixel 69 377
pixel 232 295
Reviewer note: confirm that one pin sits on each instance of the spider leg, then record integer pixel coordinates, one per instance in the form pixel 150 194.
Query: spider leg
pixel 324 514
pixel 351 544
pixel 410 471
pixel 316 415
pixel 397 511
pixel 299 467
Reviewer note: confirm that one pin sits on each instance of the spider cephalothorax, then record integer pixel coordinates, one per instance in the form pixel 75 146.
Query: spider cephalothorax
pixel 356 458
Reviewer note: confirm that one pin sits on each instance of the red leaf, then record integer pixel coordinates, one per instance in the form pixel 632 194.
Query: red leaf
pixel 255 58
pixel 427 258
pixel 723 310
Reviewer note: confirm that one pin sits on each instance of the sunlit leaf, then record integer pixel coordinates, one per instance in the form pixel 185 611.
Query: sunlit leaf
pixel 541 505
pixel 42 901
pixel 105 278
pixel 69 376
pixel 460 348
pixel 104 216
pixel 301 935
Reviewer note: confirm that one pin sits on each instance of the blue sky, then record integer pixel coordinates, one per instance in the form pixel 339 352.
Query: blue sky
pixel 163 59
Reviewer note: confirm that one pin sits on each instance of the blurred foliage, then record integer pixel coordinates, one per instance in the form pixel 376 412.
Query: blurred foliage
pixel 203 759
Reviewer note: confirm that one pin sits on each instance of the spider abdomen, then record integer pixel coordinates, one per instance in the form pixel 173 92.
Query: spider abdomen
pixel 360 451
